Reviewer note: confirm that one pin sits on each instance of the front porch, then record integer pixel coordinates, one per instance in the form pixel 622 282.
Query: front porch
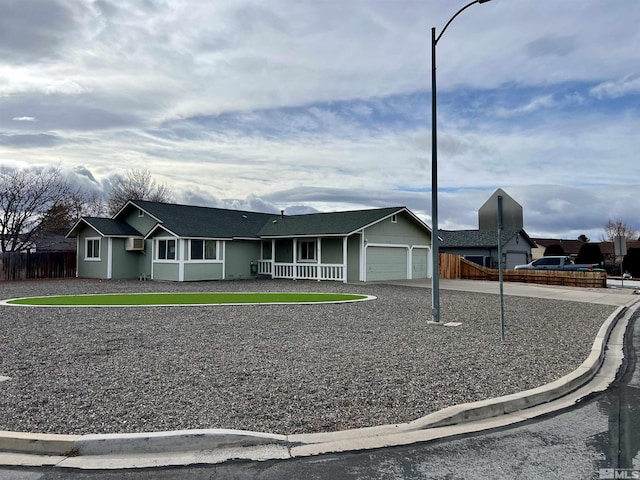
pixel 305 259
pixel 302 271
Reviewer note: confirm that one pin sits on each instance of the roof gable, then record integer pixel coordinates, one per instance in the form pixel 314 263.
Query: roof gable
pixel 107 227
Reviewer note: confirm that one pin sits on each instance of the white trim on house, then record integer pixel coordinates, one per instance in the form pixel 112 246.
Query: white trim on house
pixel 109 258
pixel 181 254
pixel 93 258
pixel 215 259
pixel 397 212
pixel 313 242
pixel 224 259
pixel 363 258
pixel 78 256
pixel 156 243
pixel 131 202
pixel 429 266
pixel 386 245
pixel 345 261
pixel 319 256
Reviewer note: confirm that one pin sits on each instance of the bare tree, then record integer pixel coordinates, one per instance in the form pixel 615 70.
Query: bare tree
pixel 87 203
pixel 615 228
pixel 26 197
pixel 136 185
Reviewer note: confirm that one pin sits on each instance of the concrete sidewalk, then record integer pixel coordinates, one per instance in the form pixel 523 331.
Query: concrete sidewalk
pixel 604 296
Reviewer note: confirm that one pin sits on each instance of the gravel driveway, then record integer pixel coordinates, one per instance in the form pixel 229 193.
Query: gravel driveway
pixel 278 369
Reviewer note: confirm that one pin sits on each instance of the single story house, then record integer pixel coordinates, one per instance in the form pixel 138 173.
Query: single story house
pixel 481 247
pixel 162 241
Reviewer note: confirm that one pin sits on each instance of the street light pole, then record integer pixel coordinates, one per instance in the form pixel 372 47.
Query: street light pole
pixel 435 242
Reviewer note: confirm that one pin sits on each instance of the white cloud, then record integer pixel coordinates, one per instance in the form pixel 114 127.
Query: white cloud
pixel 537 103
pixel 325 105
pixel 629 85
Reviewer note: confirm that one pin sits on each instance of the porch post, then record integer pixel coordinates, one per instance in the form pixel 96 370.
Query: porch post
pixel 224 259
pixel 180 256
pixel 344 259
pixel 319 266
pixel 295 258
pixel 273 258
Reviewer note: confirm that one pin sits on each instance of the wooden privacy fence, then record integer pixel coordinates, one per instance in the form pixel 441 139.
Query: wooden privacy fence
pixel 456 267
pixel 27 265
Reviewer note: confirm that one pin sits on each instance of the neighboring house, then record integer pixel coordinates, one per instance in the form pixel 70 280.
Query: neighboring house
pixel 54 242
pixel 164 241
pixel 571 248
pixel 44 242
pixel 481 246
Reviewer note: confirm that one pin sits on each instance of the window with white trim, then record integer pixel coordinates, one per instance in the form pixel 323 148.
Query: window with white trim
pixel 203 249
pixel 92 249
pixel 166 249
pixel 394 218
pixel 307 250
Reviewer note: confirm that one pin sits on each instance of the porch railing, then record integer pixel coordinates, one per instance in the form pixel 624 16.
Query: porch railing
pixel 303 271
pixel 264 267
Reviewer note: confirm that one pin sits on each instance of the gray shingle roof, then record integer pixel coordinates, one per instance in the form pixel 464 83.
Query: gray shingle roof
pixel 473 238
pixel 336 223
pixel 112 228
pixel 205 222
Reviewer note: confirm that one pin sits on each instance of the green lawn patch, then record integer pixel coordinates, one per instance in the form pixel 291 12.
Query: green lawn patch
pixel 215 298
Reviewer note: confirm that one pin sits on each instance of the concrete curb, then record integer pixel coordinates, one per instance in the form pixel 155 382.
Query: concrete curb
pixel 184 447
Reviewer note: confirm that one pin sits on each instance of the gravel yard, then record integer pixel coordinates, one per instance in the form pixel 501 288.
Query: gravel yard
pixel 278 369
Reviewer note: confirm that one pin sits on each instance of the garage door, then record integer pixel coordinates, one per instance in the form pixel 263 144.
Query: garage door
pixel 420 262
pixel 516 258
pixel 386 263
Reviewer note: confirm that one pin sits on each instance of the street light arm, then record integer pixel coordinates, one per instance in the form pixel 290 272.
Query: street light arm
pixel 458 13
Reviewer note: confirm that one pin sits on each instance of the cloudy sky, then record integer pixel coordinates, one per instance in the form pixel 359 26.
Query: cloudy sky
pixel 326 104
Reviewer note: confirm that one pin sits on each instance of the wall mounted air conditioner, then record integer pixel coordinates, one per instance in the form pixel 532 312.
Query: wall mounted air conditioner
pixel 134 244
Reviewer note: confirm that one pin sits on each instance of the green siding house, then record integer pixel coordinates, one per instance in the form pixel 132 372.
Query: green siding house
pixel 161 241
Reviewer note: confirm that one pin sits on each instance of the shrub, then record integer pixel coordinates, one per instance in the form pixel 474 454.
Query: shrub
pixel 554 249
pixel 590 253
pixel 631 262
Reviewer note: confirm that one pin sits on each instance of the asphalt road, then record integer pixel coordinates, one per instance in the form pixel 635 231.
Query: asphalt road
pixel 601 433
pixel 620 283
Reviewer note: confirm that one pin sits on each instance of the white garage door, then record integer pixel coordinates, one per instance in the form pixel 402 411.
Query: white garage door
pixel 420 263
pixel 386 263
